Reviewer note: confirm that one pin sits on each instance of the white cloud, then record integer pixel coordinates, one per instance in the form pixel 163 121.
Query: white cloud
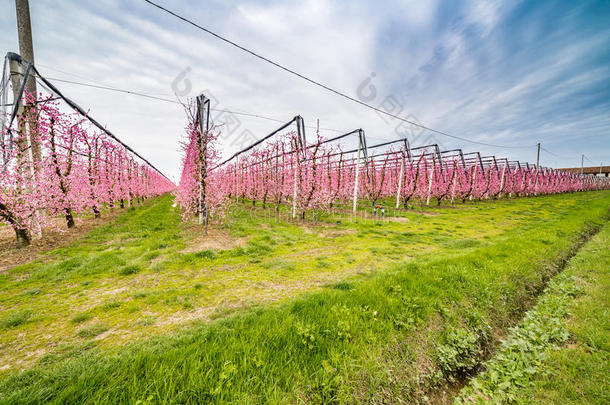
pixel 451 75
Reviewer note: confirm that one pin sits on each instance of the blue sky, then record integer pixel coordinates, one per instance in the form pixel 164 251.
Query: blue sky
pixel 510 73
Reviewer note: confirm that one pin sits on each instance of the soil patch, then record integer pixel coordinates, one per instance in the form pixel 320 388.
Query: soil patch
pixel 217 239
pixel 54 236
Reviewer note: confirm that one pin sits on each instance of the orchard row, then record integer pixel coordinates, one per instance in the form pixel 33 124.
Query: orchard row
pixel 320 176
pixel 53 164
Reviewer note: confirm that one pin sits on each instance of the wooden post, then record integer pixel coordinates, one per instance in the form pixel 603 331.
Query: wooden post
pixel 26 49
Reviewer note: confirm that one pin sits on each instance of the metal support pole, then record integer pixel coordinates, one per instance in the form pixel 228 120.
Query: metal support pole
pixel 24 142
pixel 430 180
pixel 402 171
pixel 474 175
pixel 360 145
pixel 300 144
pixel 537 170
pixel 296 179
pixel 455 173
pixel 203 122
pixel 503 176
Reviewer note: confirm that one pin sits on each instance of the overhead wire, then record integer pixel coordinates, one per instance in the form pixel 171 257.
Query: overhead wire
pixel 155 97
pixel 592 162
pixel 50 87
pixel 220 110
pixel 321 85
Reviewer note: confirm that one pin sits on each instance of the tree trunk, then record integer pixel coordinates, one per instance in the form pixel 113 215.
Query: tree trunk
pixel 23 237
pixel 69 218
pixel 96 212
pixel 21 233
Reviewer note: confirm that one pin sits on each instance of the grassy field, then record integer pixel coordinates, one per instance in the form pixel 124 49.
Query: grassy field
pixel 577 373
pixel 559 352
pixel 143 309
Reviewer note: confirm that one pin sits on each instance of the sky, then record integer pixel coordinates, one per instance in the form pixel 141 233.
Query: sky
pixel 504 73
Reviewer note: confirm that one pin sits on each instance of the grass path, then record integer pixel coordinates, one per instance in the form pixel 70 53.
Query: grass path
pixel 409 294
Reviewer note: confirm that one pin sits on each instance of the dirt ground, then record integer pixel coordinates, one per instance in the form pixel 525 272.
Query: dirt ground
pixel 217 239
pixel 54 236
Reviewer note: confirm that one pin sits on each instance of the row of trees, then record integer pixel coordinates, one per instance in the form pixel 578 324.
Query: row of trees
pixel 201 191
pixel 320 175
pixel 79 170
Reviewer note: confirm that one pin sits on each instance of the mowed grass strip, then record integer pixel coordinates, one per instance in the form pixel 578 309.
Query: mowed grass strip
pixel 429 318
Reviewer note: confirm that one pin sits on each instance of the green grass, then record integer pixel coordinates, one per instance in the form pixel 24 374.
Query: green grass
pixel 577 373
pixel 387 310
pixel 82 317
pixel 275 260
pixel 92 330
pixel 529 357
pixel 15 318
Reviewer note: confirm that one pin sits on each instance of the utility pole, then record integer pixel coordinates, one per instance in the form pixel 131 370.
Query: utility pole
pixel 538 157
pixel 26 49
pixel 582 164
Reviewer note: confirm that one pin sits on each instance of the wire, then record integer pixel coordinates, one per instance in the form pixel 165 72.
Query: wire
pixel 90 79
pixel 150 96
pixel 135 93
pixel 554 154
pixel 76 107
pixel 325 87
